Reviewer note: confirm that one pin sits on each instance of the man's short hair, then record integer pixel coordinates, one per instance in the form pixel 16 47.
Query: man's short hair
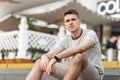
pixel 71 11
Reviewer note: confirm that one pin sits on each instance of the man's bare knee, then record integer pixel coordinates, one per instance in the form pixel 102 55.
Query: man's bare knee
pixel 37 63
pixel 80 59
pixel 77 58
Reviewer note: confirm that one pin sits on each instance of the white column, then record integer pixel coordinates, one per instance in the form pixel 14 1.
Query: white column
pixel 83 26
pixel 0 55
pixel 110 54
pixel 118 45
pixel 22 39
pixel 61 33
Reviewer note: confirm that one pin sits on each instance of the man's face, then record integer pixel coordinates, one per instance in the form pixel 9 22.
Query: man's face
pixel 71 22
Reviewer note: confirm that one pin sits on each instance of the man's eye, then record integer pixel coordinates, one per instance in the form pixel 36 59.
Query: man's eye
pixel 73 19
pixel 67 20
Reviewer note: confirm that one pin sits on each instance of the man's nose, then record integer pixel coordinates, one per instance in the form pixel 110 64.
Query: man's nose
pixel 71 22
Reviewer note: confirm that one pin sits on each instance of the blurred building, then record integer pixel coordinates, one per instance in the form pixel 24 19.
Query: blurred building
pixel 47 16
pixel 93 13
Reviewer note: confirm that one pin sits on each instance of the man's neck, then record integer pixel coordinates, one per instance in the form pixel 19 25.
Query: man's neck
pixel 77 34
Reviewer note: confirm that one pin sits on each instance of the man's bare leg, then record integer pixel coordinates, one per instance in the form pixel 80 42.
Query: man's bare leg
pixel 36 72
pixel 78 63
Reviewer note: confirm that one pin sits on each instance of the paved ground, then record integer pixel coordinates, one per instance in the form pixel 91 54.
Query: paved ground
pixel 20 74
pixel 112 74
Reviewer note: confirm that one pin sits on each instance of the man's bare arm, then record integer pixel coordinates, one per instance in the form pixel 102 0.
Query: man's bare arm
pixel 47 57
pixel 51 53
pixel 85 45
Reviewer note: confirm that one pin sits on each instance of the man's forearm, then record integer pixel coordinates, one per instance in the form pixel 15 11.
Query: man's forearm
pixel 88 43
pixel 47 55
pixel 70 52
pixel 64 54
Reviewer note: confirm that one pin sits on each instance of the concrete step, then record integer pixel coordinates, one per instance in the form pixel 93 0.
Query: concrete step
pixel 112 74
pixel 20 74
pixel 18 71
pixel 111 77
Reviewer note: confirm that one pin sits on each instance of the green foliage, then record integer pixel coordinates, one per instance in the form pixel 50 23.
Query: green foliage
pixel 34 51
pixel 103 48
pixel 29 22
pixel 31 26
pixel 5 53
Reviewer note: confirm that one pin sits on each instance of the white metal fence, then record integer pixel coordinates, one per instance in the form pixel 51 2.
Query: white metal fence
pixel 23 40
pixel 40 40
pixel 9 41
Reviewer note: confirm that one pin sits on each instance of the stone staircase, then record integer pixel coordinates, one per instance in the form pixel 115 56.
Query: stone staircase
pixel 112 74
pixel 20 74
pixel 18 71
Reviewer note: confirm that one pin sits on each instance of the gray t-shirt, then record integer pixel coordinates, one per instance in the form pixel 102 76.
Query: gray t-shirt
pixel 93 54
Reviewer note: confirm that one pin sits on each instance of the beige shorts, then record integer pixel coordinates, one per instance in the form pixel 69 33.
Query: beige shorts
pixel 90 73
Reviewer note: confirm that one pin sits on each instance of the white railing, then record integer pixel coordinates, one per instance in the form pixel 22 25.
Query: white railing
pixel 9 41
pixel 40 40
pixel 24 39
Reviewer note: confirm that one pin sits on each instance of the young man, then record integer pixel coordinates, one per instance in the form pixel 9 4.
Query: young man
pixel 81 48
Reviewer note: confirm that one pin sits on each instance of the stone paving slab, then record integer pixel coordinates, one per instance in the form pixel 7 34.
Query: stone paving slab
pixel 20 74
pixel 112 71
